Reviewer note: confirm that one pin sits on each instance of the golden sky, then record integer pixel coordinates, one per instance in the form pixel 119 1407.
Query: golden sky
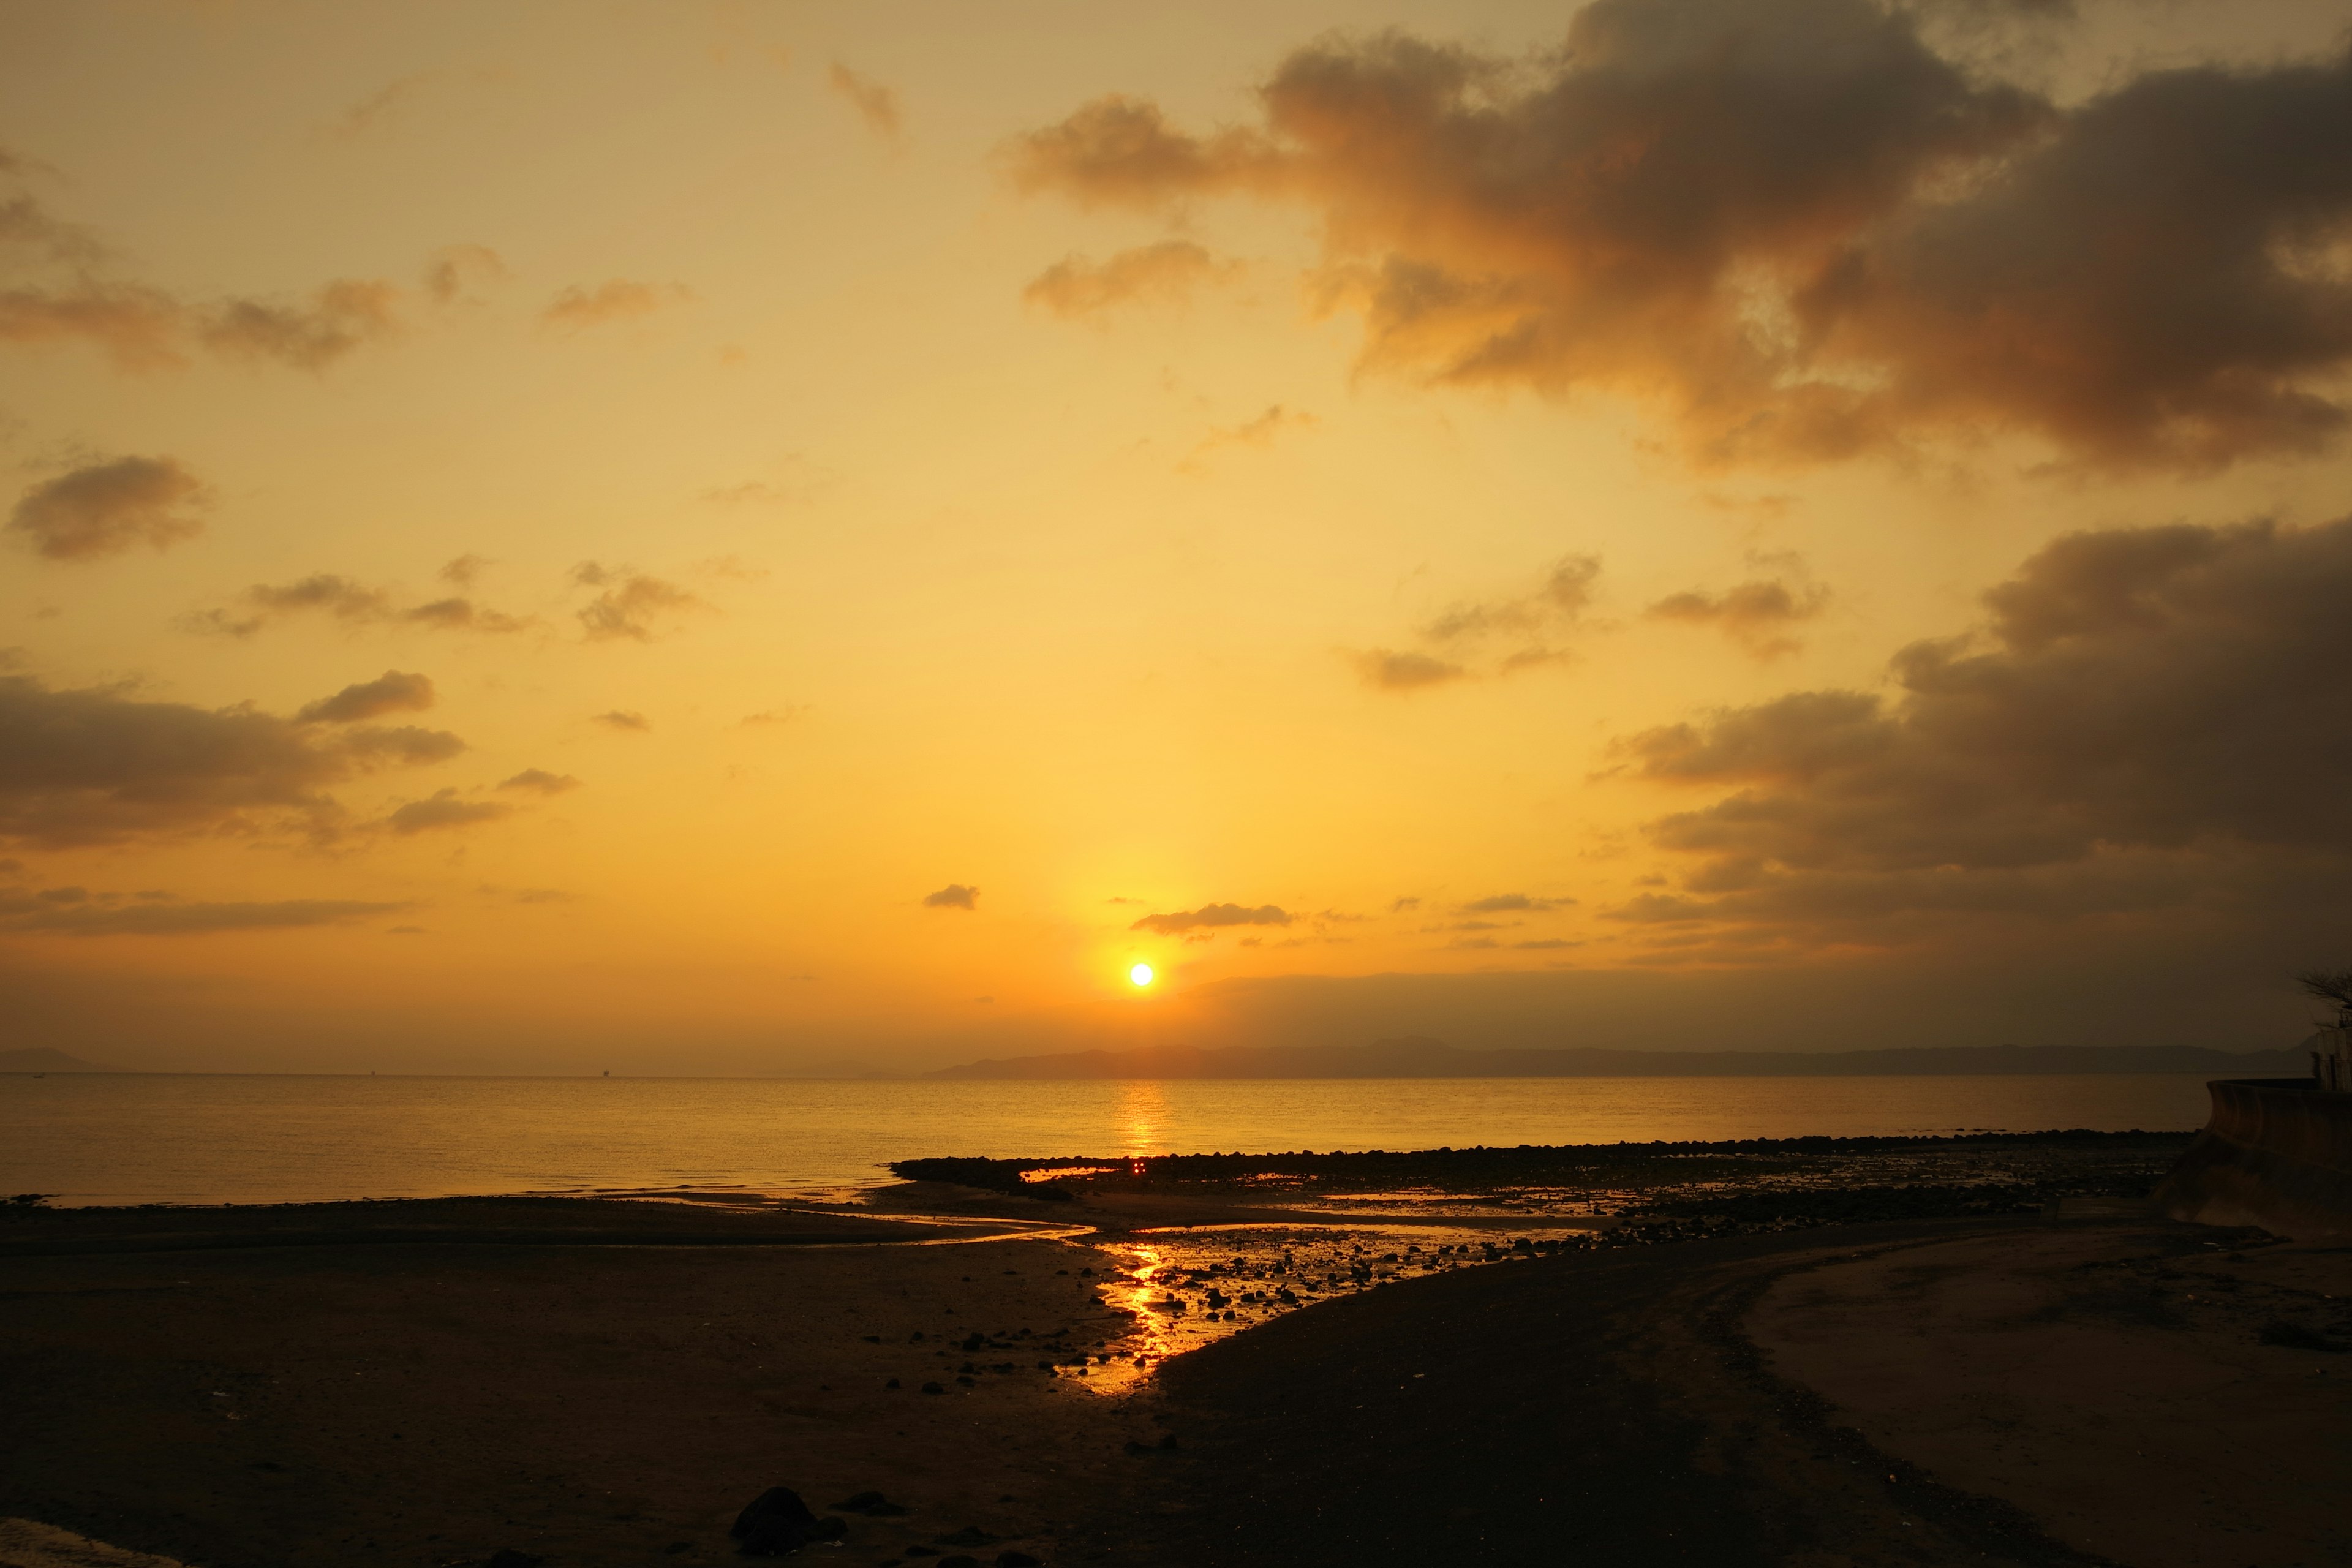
pixel 774 537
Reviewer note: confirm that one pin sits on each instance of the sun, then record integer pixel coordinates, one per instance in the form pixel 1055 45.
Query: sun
pixel 1140 974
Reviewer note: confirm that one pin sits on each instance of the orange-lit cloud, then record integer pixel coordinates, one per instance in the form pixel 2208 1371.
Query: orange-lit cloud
pixel 353 603
pixel 630 605
pixel 616 299
pixel 874 103
pixel 1260 431
pixel 1512 633
pixel 1213 917
pixel 954 896
pixel 1166 273
pixel 391 693
pixel 539 781
pixel 1801 230
pixel 1756 615
pixel 443 809
pixel 104 509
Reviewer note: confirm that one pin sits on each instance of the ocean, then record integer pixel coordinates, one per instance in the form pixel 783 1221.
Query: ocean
pixel 128 1138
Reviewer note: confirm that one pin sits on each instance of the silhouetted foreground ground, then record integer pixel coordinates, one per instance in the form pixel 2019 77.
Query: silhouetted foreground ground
pixel 2005 1392
pixel 597 1384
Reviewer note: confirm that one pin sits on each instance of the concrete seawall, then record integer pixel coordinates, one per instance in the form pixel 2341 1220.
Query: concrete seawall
pixel 2277 1153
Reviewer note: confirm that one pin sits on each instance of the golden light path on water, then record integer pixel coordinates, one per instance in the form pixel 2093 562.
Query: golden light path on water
pixel 1184 1288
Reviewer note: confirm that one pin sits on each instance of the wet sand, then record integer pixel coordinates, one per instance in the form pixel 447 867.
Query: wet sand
pixel 607 1382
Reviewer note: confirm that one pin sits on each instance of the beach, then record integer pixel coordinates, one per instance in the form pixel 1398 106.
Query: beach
pixel 605 1381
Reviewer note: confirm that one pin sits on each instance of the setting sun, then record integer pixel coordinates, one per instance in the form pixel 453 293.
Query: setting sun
pixel 1140 974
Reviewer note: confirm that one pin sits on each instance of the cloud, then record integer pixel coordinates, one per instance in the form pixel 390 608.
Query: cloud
pixel 630 603
pixel 1501 903
pixel 338 318
pixel 377 108
pixel 1799 230
pixel 619 299
pixel 874 103
pixel 391 692
pixel 54 287
pixel 954 896
pixel 539 781
pixel 1394 671
pixel 96 766
pixel 1210 917
pixel 195 919
pixel 137 327
pixel 1556 605
pixel 2150 718
pixel 454 267
pixel 443 809
pixel 347 601
pixel 461 572
pixel 1166 273
pixel 1755 615
pixel 624 718
pixel 1258 432
pixel 107 508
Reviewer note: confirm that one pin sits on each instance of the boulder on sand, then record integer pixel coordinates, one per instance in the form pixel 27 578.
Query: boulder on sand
pixel 777 1522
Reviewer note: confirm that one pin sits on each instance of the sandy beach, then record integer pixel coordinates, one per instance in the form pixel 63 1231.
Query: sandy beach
pixel 594 1382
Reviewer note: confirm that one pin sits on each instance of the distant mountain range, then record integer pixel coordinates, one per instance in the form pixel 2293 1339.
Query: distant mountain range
pixel 1420 1058
pixel 41 1059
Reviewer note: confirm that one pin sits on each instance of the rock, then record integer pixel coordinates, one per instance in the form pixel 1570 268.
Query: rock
pixel 2296 1337
pixel 1011 1559
pixel 507 1557
pixel 777 1523
pixel 970 1535
pixel 933 1388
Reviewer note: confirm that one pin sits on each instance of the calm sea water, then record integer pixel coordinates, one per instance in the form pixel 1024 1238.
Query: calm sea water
pixel 147 1138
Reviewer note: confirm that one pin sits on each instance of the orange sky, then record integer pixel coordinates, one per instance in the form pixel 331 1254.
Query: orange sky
pixel 755 538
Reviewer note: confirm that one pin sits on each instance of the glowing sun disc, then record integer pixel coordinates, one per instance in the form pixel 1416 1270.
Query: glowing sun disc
pixel 1140 974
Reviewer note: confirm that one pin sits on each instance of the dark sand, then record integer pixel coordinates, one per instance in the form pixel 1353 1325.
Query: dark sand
pixel 607 1383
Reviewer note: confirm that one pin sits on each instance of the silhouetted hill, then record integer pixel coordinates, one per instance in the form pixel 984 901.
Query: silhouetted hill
pixel 1420 1058
pixel 42 1058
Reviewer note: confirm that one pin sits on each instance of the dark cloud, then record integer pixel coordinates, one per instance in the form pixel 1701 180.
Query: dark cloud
pixel 1801 228
pixel 1407 672
pixel 354 603
pixel 1755 615
pixel 876 104
pixel 624 720
pixel 104 509
pixel 1504 903
pixel 194 919
pixel 391 693
pixel 1210 917
pixel 98 766
pixel 338 318
pixel 954 896
pixel 2152 719
pixel 1165 273
pixel 539 781
pixel 629 604
pixel 443 809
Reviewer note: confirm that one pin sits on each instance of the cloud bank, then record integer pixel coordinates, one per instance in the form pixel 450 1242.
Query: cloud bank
pixel 2151 719
pixel 1801 230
